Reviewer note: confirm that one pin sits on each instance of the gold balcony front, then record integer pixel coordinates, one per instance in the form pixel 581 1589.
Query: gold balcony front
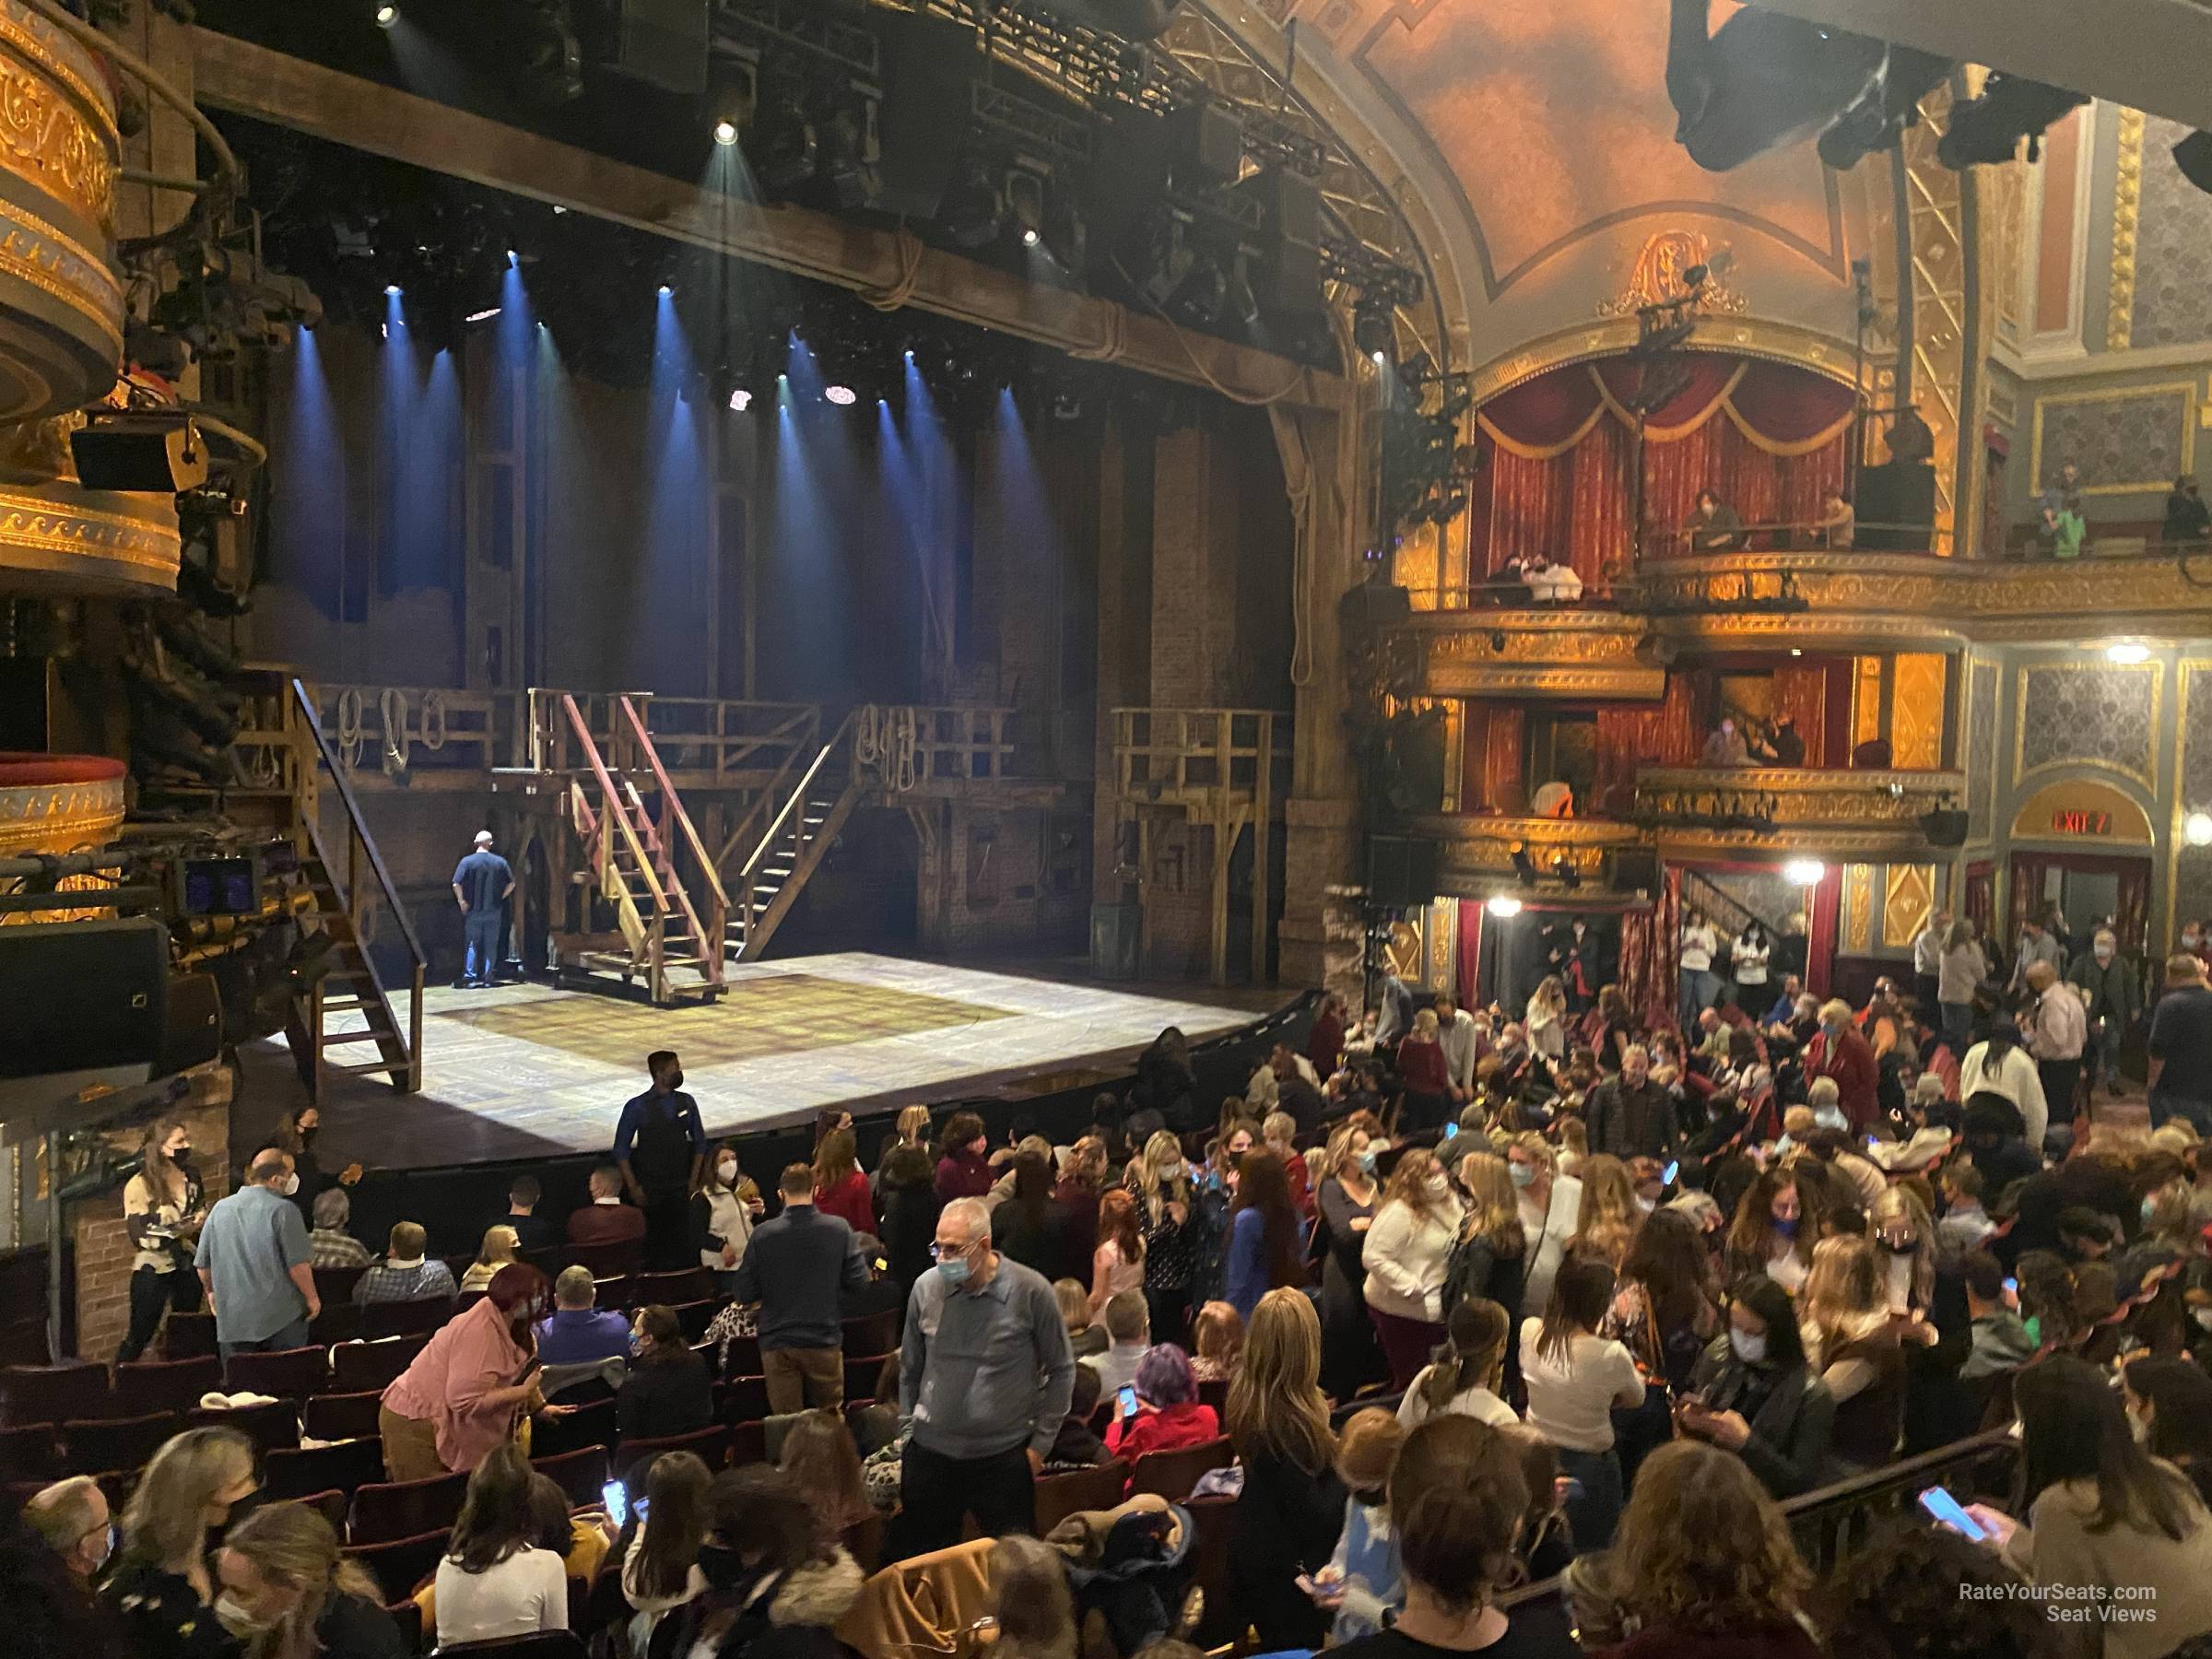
pixel 1793 811
pixel 1474 854
pixel 1531 651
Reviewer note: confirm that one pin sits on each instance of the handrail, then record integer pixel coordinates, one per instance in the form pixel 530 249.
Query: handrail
pixel 613 804
pixel 673 803
pixel 775 829
pixel 737 836
pixel 306 707
pixel 1708 885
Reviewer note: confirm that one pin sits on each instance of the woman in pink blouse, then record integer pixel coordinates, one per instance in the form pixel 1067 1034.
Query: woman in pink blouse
pixel 460 1397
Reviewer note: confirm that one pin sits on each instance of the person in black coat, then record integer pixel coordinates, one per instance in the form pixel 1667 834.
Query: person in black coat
pixel 668 1390
pixel 1165 1082
pixel 774 1590
pixel 1291 1508
pixel 909 1225
pixel 1754 1395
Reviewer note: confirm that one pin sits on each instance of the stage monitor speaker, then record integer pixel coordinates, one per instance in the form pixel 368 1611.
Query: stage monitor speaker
pixel 661 43
pixel 82 994
pixel 1373 601
pixel 1945 827
pixel 928 68
pixel 1208 139
pixel 1401 871
pixel 151 453
pixel 1895 507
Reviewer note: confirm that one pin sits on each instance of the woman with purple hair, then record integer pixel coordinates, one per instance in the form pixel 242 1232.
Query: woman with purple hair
pixel 1167 1415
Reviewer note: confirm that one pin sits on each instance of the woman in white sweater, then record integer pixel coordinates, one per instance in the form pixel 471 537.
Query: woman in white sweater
pixel 1547 1019
pixel 1998 1064
pixel 494 1582
pixel 1574 1379
pixel 1405 1256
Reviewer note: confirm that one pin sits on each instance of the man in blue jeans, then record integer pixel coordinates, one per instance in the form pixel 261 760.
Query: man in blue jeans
pixel 256 1263
pixel 482 884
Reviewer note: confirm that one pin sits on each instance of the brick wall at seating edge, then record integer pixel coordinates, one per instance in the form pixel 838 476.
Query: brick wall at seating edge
pixel 455 1201
pixel 101 1250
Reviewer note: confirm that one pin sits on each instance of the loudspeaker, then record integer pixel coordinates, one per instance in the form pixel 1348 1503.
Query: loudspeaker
pixel 192 1024
pixel 82 994
pixel 1945 827
pixel 661 43
pixel 1401 871
pixel 1373 601
pixel 1291 264
pixel 1895 506
pixel 1207 138
pixel 928 68
pixel 152 453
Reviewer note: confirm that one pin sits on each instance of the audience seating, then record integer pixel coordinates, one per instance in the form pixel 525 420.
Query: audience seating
pixel 383 1512
pixel 271 1428
pixel 745 1358
pixel 611 1293
pixel 872 1333
pixel 606 1261
pixel 749 1444
pixel 1173 1473
pixel 1215 1392
pixel 1060 1496
pixel 188 1336
pixel 331 1506
pixel 860 1372
pixel 467 1300
pixel 592 1425
pixel 544 1645
pixel 1215 1522
pixel 165 1384
pixel 1377 1401
pixel 710 1444
pixel 29 1451
pixel 333 1416
pixel 684 1285
pixel 358 1366
pixel 117 1442
pixel 407 1615
pixel 49 1393
pixel 284 1375
pixel 338 1321
pixel 400 1566
pixel 344 1467
pixel 581 1473
pixel 747 1399
pixel 420 1317
pixel 335 1284
pixel 863 1541
pixel 695 1317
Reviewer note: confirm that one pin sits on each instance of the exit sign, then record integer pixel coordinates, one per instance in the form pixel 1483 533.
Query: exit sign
pixel 2081 820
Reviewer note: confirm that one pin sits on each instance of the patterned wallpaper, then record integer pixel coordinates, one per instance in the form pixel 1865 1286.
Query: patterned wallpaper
pixel 2196 737
pixel 2173 303
pixel 1981 749
pixel 2192 885
pixel 2117 440
pixel 2079 713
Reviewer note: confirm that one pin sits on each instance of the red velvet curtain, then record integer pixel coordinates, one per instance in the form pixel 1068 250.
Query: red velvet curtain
pixel 1820 929
pixel 1649 952
pixel 1661 733
pixel 1502 790
pixel 1561 452
pixel 1802 694
pixel 1467 976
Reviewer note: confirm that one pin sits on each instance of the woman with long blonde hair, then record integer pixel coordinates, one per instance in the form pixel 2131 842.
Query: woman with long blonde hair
pixel 1291 1506
pixel 501 1245
pixel 1347 1196
pixel 1852 1343
pixel 1488 1260
pixel 290 1594
pixel 1608 1195
pixel 1404 1256
pixel 160 1579
pixel 1173 1232
pixel 1547 1019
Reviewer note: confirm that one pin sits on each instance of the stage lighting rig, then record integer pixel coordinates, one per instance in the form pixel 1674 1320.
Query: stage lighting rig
pixel 972 212
pixel 543 45
pixel 1987 130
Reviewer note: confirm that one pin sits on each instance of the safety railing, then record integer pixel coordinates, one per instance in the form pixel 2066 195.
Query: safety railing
pixel 1187 755
pixel 903 746
pixel 673 833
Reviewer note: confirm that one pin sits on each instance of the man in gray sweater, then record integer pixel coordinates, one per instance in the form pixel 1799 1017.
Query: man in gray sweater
pixel 984 1375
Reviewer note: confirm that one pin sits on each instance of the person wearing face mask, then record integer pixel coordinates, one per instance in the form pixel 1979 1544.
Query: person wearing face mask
pixel 660 1148
pixel 1753 1394
pixel 1265 1236
pixel 287 1593
pixel 1404 1256
pixel 1351 1356
pixel 722 1217
pixel 2169 1412
pixel 985 1376
pixel 1839 1051
pixel 256 1263
pixel 1768 1235
pixel 72 1516
pixel 159 1580
pixel 2058 1033
pixel 2108 986
pixel 162 1211
pixel 460 1397
pixel 1550 1205
pixel 668 1390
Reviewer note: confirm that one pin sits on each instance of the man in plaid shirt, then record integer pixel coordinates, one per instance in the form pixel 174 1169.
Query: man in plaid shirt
pixel 405 1275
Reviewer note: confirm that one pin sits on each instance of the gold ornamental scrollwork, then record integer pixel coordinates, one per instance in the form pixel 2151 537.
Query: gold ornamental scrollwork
pixel 1658 277
pixel 45 137
pixel 2128 213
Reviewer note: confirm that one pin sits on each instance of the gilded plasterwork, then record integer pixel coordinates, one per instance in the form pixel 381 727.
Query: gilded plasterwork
pixel 1658 277
pixel 1908 895
pixel 2127 207
pixel 1916 704
pixel 1858 910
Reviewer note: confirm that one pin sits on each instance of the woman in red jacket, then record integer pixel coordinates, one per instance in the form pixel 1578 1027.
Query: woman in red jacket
pixel 839 1188
pixel 1168 1416
pixel 1426 1077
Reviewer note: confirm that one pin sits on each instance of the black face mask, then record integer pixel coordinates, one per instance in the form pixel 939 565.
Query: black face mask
pixel 181 1157
pixel 1894 1248
pixel 674 1081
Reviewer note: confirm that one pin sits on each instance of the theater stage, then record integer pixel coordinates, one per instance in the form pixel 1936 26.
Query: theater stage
pixel 526 1070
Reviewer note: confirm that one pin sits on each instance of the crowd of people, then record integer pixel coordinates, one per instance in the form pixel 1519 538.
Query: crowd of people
pixel 1466 1302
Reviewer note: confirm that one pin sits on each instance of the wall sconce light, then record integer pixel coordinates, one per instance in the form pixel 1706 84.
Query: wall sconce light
pixel 1803 872
pixel 1503 906
pixel 2196 828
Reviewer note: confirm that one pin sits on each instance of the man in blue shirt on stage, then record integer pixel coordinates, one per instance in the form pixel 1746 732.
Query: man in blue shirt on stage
pixel 482 883
pixel 660 1148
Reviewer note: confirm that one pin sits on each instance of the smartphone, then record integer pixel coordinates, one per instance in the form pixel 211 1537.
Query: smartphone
pixel 1667 1175
pixel 1451 1131
pixel 1942 1507
pixel 2012 1287
pixel 616 1501
pixel 1128 1399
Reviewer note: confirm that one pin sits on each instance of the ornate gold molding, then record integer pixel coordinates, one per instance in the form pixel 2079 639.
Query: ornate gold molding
pixel 2127 213
pixel 1858 910
pixel 1747 337
pixel 1525 653
pixel 59 818
pixel 59 537
pixel 1657 278
pixel 45 137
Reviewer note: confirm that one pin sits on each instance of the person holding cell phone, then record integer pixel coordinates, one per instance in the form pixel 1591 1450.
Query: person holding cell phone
pixel 2109 1526
pixel 1754 1395
pixel 1160 1410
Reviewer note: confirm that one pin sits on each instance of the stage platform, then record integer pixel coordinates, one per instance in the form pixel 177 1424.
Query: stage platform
pixel 521 1071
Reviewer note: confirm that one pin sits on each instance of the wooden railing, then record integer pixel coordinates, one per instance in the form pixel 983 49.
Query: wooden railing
pixel 361 851
pixel 904 745
pixel 1188 754
pixel 708 741
pixel 751 905
pixel 598 830
pixel 676 828
pixel 421 728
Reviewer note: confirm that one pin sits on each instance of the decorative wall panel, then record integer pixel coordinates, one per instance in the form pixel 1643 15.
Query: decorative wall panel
pixel 2173 301
pixel 1858 910
pixel 1916 704
pixel 2196 737
pixel 1907 894
pixel 2082 713
pixel 1981 748
pixel 2125 441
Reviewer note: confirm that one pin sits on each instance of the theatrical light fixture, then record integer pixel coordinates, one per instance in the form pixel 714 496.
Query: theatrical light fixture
pixel 386 15
pixel 391 290
pixel 1374 329
pixel 1503 905
pixel 482 316
pixel 1562 867
pixel 2196 828
pixel 725 133
pixel 2127 652
pixel 666 290
pixel 842 397
pixel 1524 867
pixel 1029 239
pixel 1796 651
pixel 1803 872
pixel 741 400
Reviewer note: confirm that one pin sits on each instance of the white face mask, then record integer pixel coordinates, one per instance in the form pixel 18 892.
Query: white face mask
pixel 1749 1348
pixel 727 1170
pixel 236 1617
pixel 2139 1429
pixel 290 1184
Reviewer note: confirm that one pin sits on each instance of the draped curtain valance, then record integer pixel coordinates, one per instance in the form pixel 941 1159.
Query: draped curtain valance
pixel 1779 408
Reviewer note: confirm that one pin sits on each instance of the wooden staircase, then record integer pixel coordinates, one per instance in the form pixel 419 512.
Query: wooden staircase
pixel 636 839
pixel 805 816
pixel 346 1010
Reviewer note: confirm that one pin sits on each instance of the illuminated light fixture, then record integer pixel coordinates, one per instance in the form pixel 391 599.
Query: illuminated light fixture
pixel 1503 905
pixel 513 258
pixel 391 290
pixel 2127 652
pixel 558 208
pixel 386 15
pixel 1803 872
pixel 741 400
pixel 666 290
pixel 1796 651
pixel 2196 828
pixel 842 397
pixel 1381 358
pixel 1029 239
pixel 482 316
pixel 725 133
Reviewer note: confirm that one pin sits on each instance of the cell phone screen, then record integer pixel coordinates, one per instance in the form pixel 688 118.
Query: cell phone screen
pixel 1451 1131
pixel 1672 1169
pixel 1946 1508
pixel 616 1500
pixel 1128 1398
